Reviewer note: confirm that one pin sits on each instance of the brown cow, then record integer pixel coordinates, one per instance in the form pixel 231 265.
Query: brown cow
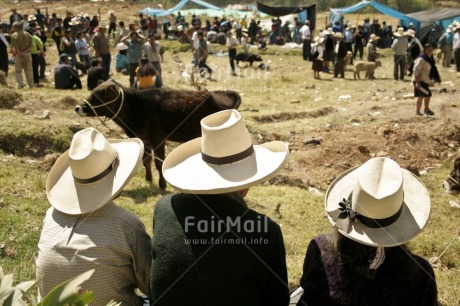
pixel 156 115
pixel 452 183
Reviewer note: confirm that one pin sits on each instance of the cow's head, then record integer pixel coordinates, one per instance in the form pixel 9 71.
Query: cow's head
pixel 452 183
pixel 257 58
pixel 104 100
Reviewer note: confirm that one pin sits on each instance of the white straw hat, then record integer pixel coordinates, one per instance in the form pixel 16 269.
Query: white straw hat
pixel 92 172
pixel 223 159
pixel 378 203
pixel 374 37
pixel 399 32
pixel 121 46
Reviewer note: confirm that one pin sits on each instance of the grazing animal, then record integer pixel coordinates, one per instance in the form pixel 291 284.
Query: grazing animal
pixel 156 114
pixel 452 183
pixel 247 57
pixel 369 67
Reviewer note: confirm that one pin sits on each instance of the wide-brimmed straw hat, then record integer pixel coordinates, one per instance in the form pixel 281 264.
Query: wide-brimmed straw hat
pixel 92 172
pixel 121 46
pixel 378 203
pixel 399 32
pixel 318 40
pixel 223 159
pixel 31 18
pixel 75 21
pixel 373 37
pixel 410 33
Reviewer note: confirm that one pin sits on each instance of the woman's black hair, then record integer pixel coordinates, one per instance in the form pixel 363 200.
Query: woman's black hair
pixel 356 257
pixel 146 68
pixel 123 52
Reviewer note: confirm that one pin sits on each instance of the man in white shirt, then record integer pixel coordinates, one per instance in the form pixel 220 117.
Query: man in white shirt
pixel 195 45
pixel 232 43
pixel 456 47
pixel 306 39
pixel 151 49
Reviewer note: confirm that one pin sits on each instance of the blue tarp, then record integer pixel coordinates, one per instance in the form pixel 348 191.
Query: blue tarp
pixel 336 13
pixel 163 13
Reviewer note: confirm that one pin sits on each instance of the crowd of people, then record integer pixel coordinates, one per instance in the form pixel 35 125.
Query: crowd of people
pixel 89 39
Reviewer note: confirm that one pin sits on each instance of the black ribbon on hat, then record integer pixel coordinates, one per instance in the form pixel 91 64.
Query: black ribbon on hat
pixel 99 176
pixel 345 215
pixel 227 159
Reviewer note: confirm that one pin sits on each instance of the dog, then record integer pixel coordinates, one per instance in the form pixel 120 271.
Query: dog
pixel 349 58
pixel 248 57
pixel 369 67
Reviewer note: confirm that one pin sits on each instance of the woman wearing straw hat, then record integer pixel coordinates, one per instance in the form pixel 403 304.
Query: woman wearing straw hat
pixel 318 56
pixel 209 248
pixel 85 230
pixel 425 74
pixel 375 208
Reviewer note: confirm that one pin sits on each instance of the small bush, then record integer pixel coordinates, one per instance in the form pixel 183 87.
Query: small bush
pixel 9 98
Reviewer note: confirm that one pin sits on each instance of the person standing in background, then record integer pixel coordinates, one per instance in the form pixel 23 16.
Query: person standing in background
pixel 112 23
pixel 399 46
pixel 425 75
pixel 102 48
pixel 232 43
pixel 58 33
pixel 340 53
pixel 151 50
pixel 40 19
pixel 456 47
pixel 15 17
pixel 358 39
pixel 3 52
pixel 36 52
pixel 445 43
pixel 82 47
pixel 306 40
pixel 134 41
pixel 22 42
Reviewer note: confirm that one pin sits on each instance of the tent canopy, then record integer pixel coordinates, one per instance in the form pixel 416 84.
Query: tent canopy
pixel 433 20
pixel 181 4
pixel 335 13
pixel 306 12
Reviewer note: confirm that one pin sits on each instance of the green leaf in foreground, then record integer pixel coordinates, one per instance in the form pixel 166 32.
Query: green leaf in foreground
pixel 67 292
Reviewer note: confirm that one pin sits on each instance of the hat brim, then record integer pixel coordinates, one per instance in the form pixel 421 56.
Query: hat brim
pixel 396 34
pixel 186 171
pixel 71 197
pixel 413 218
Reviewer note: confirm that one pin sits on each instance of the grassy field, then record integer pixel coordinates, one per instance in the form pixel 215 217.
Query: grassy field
pixel 284 103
